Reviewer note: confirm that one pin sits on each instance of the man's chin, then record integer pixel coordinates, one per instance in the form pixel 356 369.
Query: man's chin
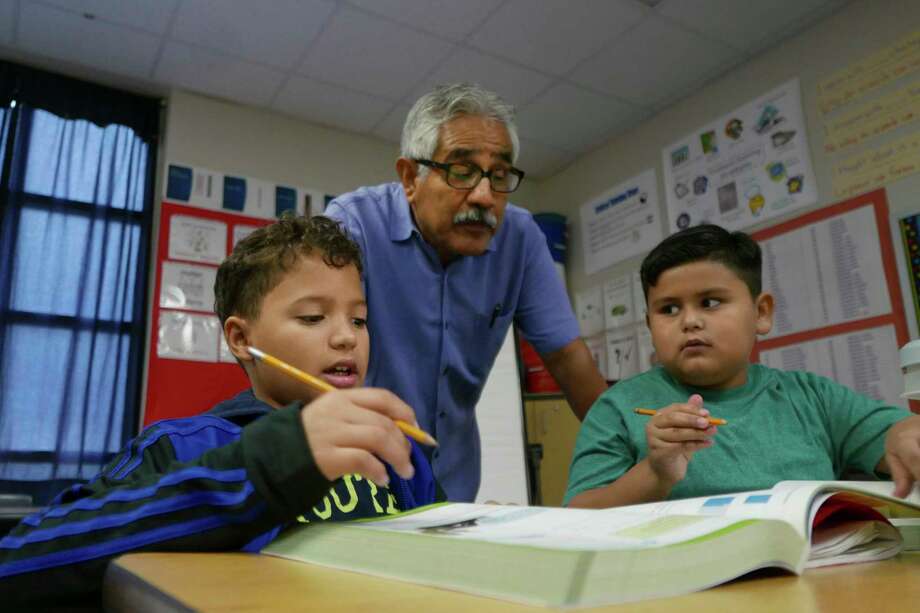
pixel 473 244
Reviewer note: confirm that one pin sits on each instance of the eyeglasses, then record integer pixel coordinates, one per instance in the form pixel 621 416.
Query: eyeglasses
pixel 466 175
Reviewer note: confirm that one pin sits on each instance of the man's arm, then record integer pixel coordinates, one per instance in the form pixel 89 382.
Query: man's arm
pixel 638 485
pixel 574 370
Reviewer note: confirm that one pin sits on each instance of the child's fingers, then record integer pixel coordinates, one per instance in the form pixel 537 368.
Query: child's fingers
pixel 694 446
pixel 349 460
pixel 903 480
pixel 332 423
pixel 390 445
pixel 383 402
pixel 679 419
pixel 683 435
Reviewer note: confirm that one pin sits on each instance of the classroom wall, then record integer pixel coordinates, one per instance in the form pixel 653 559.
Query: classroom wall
pixel 854 32
pixel 258 143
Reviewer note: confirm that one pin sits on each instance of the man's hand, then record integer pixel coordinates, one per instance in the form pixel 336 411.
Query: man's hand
pixel 902 455
pixel 674 435
pixel 348 430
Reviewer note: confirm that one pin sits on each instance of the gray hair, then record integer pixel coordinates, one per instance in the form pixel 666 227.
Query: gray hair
pixel 446 102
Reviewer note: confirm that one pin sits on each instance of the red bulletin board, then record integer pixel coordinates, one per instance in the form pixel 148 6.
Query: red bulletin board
pixel 179 388
pixel 878 201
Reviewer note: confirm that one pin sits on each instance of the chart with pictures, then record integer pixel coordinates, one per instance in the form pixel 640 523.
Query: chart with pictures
pixel 611 318
pixel 747 166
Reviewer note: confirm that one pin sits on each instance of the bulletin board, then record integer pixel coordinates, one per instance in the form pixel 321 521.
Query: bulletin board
pixel 204 214
pixel 190 368
pixel 839 309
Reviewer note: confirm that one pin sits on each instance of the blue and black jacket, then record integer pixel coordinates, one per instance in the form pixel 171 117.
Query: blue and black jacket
pixel 226 480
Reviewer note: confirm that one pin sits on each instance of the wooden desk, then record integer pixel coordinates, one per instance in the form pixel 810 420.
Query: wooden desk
pixel 244 582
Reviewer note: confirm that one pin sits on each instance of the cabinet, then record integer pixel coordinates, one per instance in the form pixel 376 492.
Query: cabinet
pixel 552 427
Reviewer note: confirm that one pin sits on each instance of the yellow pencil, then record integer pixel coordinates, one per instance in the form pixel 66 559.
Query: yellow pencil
pixel 715 421
pixel 321 386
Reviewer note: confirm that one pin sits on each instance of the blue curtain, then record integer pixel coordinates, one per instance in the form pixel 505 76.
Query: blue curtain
pixel 76 196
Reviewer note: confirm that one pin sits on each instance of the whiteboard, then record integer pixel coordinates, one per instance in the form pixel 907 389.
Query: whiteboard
pixel 500 415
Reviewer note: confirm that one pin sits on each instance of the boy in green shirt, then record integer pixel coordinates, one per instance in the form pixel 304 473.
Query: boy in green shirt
pixel 705 310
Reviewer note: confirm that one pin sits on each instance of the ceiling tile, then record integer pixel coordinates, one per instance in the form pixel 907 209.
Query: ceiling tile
pixel 141 14
pixel 7 21
pixel 330 105
pixel 643 73
pixel 448 18
pixel 275 33
pixel 50 32
pixel 359 51
pixel 209 72
pixel 541 161
pixel 740 24
pixel 572 118
pixel 555 36
pixel 515 84
pixel 390 128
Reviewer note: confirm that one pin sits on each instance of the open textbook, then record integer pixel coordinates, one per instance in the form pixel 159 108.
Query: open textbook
pixel 578 557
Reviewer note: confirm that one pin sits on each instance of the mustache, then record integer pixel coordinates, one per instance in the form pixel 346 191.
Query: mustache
pixel 477 215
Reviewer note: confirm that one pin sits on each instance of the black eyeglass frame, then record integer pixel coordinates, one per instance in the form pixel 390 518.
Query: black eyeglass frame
pixel 483 174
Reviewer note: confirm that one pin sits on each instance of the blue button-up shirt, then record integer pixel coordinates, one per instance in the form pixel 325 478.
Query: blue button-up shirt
pixel 435 330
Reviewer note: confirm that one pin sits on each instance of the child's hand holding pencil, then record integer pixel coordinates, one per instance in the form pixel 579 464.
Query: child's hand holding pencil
pixel 349 429
pixel 674 434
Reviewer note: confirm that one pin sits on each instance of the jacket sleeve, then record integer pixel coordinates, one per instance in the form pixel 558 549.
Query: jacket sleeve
pixel 147 500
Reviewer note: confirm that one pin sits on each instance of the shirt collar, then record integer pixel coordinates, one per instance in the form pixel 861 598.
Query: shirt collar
pixel 402 226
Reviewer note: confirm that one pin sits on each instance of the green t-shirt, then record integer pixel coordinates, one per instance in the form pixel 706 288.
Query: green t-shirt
pixel 781 425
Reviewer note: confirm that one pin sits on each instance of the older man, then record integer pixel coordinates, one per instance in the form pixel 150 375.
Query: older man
pixel 449 264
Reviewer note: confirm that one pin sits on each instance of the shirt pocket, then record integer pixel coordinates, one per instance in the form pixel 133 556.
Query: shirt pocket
pixel 481 344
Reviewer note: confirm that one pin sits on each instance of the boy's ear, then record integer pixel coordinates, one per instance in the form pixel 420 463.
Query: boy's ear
pixel 408 173
pixel 764 308
pixel 236 333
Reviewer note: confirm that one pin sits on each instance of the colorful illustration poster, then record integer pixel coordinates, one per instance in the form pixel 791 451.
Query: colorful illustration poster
pixel 910 235
pixel 745 167
pixel 621 223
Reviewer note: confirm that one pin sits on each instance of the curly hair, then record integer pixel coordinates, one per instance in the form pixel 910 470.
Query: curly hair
pixel 260 260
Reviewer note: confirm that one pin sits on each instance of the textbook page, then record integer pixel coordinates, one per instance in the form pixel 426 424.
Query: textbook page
pixel 554 528
pixel 794 502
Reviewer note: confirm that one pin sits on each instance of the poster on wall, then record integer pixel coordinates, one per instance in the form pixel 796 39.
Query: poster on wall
pixel 257 198
pixel 618 302
pixel 910 235
pixel 840 276
pixel 589 307
pixel 197 239
pixel 865 361
pixel 187 336
pixel 840 314
pixel 746 166
pixel 621 223
pixel 186 286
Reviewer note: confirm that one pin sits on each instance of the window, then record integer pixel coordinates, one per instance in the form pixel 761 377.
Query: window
pixel 75 214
